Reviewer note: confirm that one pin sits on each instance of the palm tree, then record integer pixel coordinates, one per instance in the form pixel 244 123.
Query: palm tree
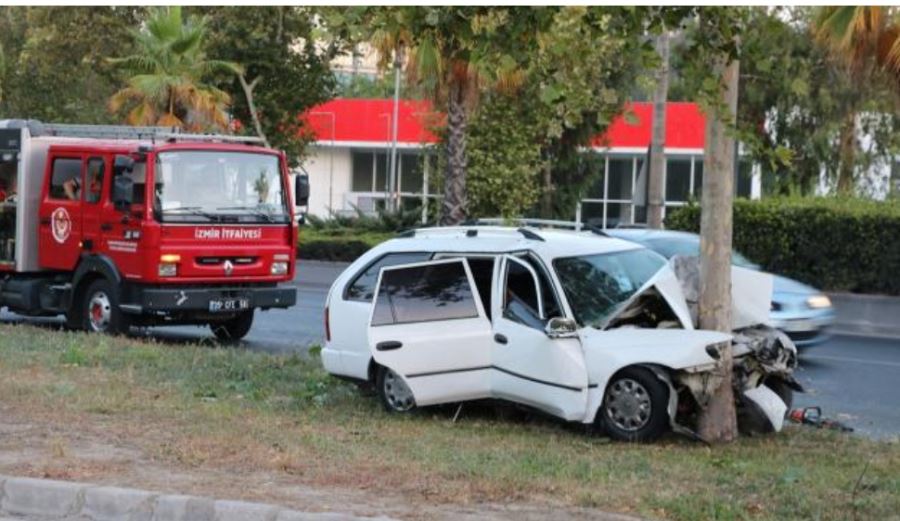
pixel 867 42
pixel 438 45
pixel 167 87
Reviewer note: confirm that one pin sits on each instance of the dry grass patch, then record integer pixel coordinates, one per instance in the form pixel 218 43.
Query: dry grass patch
pixel 247 414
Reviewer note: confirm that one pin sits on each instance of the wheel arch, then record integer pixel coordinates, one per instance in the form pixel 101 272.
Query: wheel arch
pixel 662 372
pixel 89 269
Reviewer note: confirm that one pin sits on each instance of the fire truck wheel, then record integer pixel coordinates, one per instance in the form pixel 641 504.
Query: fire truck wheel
pixel 100 309
pixel 233 329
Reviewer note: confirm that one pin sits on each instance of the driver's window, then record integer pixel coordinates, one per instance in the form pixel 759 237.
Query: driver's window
pixel 521 297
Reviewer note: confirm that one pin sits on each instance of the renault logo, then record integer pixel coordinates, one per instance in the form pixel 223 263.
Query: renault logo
pixel 229 267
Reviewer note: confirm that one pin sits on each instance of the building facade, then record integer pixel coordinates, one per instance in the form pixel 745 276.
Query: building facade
pixel 349 163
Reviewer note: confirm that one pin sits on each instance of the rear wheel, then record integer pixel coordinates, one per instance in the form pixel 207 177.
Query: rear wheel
pixel 100 312
pixel 233 329
pixel 395 395
pixel 635 406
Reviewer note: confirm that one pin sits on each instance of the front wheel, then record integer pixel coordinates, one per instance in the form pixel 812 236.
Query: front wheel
pixel 233 329
pixel 100 312
pixel 395 395
pixel 635 406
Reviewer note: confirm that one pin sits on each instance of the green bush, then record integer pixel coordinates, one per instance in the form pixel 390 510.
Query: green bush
pixel 337 244
pixel 837 244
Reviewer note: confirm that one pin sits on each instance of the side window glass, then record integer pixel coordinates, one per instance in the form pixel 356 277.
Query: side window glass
pixel 65 179
pixel 96 169
pixel 548 296
pixel 424 294
pixel 520 301
pixel 363 287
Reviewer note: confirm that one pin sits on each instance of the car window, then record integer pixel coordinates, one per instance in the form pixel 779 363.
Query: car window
pixel 482 269
pixel 65 180
pixel 548 295
pixel 690 246
pixel 597 284
pixel 520 297
pixel 363 286
pixel 424 294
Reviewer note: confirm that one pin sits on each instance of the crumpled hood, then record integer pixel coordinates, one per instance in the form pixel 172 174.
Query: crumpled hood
pixel 608 351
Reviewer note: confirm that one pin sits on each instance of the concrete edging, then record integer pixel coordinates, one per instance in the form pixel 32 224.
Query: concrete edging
pixel 64 499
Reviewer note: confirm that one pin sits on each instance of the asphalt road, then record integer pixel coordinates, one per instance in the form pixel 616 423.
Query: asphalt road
pixel 855 380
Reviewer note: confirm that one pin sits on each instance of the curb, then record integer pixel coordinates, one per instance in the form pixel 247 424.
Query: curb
pixel 64 499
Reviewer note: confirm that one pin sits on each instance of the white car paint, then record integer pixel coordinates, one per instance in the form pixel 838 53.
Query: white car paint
pixel 454 360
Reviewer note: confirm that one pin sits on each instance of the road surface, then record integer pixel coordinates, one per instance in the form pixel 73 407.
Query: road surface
pixel 853 379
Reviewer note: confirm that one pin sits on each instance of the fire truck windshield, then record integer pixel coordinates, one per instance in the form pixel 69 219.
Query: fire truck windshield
pixel 218 186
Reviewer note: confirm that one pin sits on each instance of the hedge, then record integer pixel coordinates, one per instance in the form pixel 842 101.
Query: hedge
pixel 339 244
pixel 836 244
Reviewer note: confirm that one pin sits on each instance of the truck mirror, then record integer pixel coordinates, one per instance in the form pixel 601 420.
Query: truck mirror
pixel 123 192
pixel 301 190
pixel 122 165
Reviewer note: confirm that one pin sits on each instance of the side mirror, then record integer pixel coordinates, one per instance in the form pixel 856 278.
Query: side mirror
pixel 122 165
pixel 301 190
pixel 559 327
pixel 123 192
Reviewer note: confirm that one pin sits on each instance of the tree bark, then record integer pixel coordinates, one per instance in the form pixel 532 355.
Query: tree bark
pixel 848 153
pixel 655 186
pixel 251 106
pixel 718 422
pixel 453 207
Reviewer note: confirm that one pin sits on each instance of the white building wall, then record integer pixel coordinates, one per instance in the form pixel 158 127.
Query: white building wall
pixel 330 171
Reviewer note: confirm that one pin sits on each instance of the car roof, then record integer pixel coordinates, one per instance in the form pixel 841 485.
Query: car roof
pixel 496 239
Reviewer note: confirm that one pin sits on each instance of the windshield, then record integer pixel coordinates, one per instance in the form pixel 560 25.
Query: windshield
pixel 690 246
pixel 596 285
pixel 210 186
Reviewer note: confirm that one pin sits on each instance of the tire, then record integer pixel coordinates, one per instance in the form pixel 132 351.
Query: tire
pixel 233 329
pixel 100 311
pixel 395 395
pixel 779 387
pixel 635 407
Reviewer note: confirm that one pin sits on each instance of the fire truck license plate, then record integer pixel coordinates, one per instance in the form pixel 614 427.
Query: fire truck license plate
pixel 229 304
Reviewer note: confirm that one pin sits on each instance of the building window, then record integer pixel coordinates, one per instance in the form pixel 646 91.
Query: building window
pixel 363 169
pixel 678 179
pixel 620 173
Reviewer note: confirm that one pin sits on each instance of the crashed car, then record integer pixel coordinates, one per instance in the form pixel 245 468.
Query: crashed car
pixel 593 331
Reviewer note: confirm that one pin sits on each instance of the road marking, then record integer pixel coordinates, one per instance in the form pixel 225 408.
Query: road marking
pixel 854 360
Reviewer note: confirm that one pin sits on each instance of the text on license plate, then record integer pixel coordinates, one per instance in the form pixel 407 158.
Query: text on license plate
pixel 229 304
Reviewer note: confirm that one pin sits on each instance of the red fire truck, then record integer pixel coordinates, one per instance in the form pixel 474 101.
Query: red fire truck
pixel 119 226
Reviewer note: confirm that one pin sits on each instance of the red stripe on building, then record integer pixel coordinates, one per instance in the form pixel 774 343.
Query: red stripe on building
pixel 369 121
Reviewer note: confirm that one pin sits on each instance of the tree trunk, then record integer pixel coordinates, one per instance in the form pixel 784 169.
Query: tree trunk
pixel 655 186
pixel 251 106
pixel 848 153
pixel 718 422
pixel 453 207
pixel 547 196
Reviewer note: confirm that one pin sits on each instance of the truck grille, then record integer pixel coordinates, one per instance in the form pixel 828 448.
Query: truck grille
pixel 215 261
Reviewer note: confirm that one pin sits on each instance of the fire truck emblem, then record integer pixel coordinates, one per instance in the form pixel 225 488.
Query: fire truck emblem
pixel 229 267
pixel 60 225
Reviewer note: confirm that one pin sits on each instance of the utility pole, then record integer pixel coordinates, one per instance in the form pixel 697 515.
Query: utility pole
pixel 655 185
pixel 392 182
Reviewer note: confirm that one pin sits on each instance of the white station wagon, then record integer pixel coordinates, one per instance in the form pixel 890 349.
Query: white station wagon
pixel 588 329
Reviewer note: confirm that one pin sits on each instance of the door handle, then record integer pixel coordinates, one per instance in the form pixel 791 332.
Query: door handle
pixel 500 339
pixel 106 227
pixel 388 345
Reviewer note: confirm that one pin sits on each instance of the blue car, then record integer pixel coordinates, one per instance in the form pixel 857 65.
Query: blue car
pixel 801 311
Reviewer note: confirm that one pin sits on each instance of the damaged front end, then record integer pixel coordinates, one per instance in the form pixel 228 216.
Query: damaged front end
pixel 763 359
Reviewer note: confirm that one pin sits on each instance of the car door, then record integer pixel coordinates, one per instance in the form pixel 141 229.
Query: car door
pixel 529 366
pixel 60 213
pixel 429 326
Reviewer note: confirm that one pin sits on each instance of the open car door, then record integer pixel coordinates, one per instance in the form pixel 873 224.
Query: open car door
pixel 428 325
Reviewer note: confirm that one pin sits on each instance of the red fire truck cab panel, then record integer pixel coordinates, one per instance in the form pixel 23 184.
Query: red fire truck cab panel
pixel 183 230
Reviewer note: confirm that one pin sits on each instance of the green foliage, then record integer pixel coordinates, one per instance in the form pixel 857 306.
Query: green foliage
pixel 508 183
pixel 360 86
pixel 276 47
pixel 839 244
pixel 56 66
pixel 344 238
pixel 167 86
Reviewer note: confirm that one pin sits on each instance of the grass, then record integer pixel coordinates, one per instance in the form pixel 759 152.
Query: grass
pixel 199 407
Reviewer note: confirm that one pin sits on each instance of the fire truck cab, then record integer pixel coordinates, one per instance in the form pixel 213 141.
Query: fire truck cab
pixel 119 226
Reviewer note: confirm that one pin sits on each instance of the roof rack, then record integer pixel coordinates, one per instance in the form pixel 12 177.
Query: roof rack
pixel 531 223
pixel 470 231
pixel 170 134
